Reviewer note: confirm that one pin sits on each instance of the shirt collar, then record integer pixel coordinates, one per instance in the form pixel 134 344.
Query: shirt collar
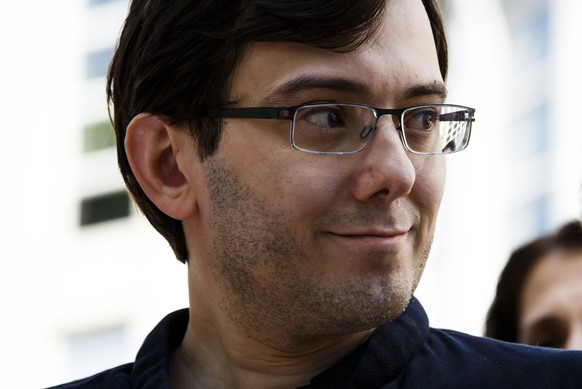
pixel 383 356
pixel 376 362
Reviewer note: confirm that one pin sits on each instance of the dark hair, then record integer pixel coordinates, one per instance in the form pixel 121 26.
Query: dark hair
pixel 175 59
pixel 503 317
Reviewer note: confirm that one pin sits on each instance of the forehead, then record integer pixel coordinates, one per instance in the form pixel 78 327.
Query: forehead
pixel 401 55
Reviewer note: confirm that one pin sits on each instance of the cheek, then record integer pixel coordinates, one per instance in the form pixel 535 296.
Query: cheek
pixel 304 190
pixel 430 182
pixel 286 179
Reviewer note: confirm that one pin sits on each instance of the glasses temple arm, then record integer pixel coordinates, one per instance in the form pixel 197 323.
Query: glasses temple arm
pixel 254 113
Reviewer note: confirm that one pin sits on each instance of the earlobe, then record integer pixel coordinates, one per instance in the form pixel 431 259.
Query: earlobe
pixel 152 148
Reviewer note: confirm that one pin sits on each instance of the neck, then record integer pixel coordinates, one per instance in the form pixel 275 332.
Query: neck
pixel 220 356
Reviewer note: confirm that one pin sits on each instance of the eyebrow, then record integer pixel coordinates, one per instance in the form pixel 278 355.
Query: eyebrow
pixel 309 82
pixel 303 83
pixel 437 89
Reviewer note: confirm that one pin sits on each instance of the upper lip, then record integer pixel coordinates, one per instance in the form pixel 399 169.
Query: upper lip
pixel 382 232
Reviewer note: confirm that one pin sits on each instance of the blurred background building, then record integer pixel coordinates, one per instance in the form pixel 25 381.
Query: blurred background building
pixel 83 277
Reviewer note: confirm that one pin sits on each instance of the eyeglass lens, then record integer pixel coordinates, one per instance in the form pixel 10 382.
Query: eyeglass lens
pixel 342 128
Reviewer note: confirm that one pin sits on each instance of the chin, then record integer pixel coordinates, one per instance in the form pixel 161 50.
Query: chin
pixel 365 308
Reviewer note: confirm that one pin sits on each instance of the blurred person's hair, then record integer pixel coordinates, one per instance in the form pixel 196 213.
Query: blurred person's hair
pixel 503 316
pixel 175 60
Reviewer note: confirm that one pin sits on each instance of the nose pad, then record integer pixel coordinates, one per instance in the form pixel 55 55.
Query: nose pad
pixel 396 122
pixel 366 132
pixel 369 130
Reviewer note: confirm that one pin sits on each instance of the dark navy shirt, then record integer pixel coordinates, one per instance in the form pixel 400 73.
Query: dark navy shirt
pixel 405 353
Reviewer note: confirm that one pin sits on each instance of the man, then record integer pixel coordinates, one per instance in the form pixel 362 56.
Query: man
pixel 247 135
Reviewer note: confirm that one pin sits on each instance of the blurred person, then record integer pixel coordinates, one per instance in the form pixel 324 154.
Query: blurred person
pixel 539 294
pixel 291 152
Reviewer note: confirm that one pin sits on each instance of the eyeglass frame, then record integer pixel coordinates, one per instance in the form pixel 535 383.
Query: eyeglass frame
pixel 289 113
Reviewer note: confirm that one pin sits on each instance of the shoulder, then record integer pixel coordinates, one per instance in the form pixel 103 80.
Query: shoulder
pixel 116 378
pixel 463 343
pixel 477 360
pixel 454 343
pixel 150 369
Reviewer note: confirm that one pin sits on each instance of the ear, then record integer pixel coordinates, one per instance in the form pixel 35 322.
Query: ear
pixel 154 150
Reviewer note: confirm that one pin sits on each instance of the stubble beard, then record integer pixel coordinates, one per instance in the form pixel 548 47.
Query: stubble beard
pixel 258 260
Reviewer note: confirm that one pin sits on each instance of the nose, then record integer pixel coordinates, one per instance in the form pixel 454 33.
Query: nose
pixel 574 341
pixel 385 168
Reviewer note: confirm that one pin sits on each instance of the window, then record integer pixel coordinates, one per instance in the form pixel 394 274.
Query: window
pixel 105 207
pixel 95 351
pixel 539 34
pixel 98 136
pixel 446 9
pixel 530 24
pixel 531 220
pixel 532 136
pixel 98 62
pixel 97 2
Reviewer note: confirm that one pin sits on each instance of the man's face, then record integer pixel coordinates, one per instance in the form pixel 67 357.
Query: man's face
pixel 323 244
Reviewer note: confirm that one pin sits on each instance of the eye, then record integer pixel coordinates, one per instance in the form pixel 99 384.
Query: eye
pixel 547 332
pixel 549 342
pixel 324 117
pixel 423 119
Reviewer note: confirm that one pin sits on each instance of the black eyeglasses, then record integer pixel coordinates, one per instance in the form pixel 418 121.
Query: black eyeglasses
pixel 343 128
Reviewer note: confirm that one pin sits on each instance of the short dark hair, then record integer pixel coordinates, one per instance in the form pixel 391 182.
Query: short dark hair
pixel 175 59
pixel 503 316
